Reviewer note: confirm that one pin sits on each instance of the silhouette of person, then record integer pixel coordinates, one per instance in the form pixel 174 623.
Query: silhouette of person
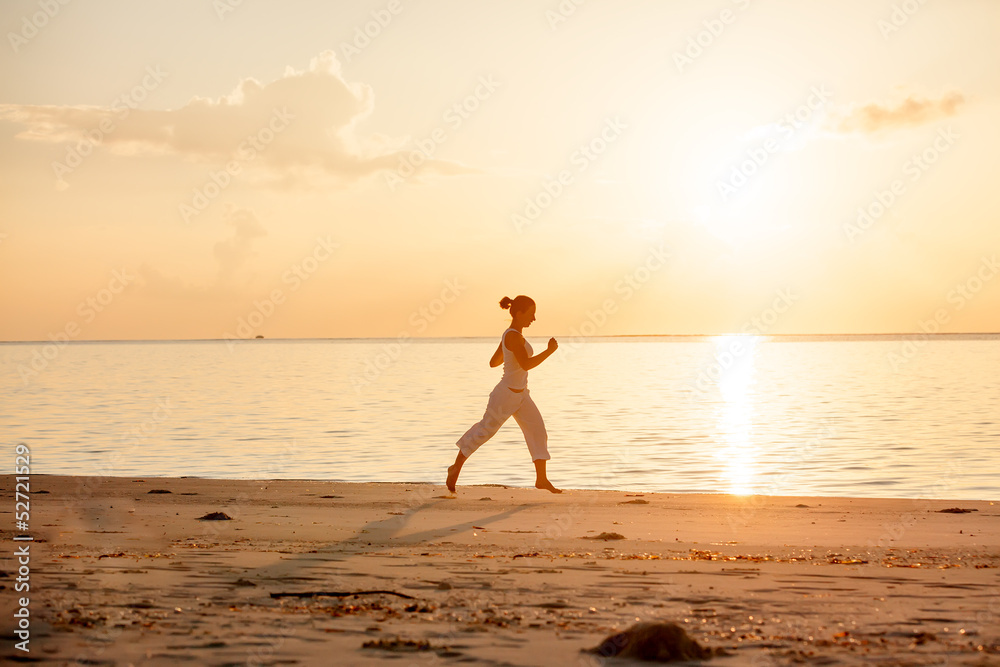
pixel 511 398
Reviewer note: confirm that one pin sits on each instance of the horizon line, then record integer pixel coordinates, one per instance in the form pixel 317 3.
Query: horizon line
pixel 429 338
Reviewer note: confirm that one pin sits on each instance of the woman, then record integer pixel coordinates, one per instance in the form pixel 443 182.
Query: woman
pixel 510 398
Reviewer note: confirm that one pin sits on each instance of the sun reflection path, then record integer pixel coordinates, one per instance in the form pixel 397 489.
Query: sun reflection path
pixel 735 413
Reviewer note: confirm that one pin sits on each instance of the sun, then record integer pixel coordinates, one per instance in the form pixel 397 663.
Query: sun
pixel 688 170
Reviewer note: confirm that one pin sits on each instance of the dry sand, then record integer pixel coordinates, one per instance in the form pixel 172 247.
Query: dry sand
pixel 494 575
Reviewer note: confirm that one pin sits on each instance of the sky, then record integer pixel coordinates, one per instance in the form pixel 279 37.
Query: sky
pixel 229 169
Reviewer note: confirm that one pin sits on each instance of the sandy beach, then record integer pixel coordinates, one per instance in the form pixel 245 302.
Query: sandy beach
pixel 125 571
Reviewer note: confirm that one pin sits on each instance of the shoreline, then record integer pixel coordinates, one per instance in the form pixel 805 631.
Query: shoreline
pixel 314 480
pixel 122 567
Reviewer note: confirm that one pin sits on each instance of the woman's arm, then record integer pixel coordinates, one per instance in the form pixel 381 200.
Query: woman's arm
pixel 497 357
pixel 515 343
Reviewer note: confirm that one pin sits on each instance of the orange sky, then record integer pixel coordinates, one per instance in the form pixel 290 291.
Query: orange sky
pixel 312 169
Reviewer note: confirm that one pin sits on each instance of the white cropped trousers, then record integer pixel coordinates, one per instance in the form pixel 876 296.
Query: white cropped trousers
pixel 502 405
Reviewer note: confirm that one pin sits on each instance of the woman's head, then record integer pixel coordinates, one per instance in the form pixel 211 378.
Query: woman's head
pixel 520 307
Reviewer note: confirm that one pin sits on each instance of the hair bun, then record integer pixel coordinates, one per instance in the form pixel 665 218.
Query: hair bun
pixel 505 303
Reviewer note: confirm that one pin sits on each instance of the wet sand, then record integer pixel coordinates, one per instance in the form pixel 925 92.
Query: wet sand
pixel 123 572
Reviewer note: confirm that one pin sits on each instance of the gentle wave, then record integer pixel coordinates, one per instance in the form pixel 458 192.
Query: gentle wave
pixel 839 416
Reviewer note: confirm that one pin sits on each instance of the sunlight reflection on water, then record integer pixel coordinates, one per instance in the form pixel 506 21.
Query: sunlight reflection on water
pixel 803 417
pixel 736 412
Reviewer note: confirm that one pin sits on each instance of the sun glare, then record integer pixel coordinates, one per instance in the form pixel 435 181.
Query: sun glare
pixel 735 354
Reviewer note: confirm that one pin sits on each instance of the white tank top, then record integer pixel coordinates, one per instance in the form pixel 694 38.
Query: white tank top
pixel 513 375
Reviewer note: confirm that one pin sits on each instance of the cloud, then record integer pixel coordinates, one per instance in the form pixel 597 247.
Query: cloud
pixel 157 284
pixel 231 254
pixel 298 129
pixel 874 117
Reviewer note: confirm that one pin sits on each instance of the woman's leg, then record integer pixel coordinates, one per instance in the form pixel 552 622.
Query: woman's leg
pixel 454 469
pixel 498 410
pixel 530 420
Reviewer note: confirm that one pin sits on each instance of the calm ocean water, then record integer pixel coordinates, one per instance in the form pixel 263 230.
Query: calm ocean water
pixel 874 416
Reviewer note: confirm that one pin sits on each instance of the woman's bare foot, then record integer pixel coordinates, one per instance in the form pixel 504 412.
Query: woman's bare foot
pixel 546 484
pixel 454 469
pixel 541 479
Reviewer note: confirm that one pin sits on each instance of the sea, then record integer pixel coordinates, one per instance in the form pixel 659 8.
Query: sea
pixel 849 416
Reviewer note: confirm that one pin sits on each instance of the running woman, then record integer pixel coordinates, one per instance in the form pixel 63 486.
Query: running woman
pixel 511 398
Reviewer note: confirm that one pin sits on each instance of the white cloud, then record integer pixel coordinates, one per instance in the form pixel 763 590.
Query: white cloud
pixel 320 111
